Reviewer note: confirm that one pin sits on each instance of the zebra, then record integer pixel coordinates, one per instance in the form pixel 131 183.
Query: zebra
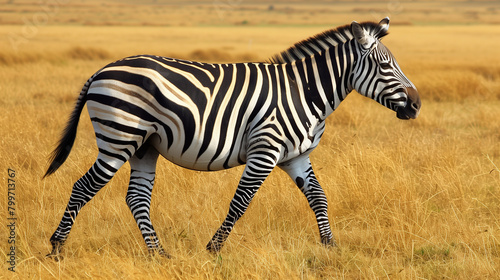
pixel 209 117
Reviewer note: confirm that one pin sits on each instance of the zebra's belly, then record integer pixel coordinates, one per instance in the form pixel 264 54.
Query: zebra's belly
pixel 215 156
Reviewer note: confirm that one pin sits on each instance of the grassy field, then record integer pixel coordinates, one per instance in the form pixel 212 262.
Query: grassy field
pixel 408 199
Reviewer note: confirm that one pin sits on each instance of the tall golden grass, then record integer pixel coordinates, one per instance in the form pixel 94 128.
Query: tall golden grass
pixel 408 199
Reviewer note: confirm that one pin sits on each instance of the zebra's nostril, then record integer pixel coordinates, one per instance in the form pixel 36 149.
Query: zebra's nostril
pixel 415 106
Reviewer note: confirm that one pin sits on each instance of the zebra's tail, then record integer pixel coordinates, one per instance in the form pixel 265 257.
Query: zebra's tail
pixel 61 152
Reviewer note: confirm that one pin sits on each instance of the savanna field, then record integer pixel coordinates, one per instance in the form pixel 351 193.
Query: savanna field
pixel 415 199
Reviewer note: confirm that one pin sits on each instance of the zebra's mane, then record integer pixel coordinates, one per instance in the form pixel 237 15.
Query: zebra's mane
pixel 324 41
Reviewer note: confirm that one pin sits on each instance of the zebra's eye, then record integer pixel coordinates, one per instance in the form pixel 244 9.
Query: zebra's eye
pixel 385 65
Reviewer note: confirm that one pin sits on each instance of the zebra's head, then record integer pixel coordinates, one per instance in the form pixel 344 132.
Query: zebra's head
pixel 377 75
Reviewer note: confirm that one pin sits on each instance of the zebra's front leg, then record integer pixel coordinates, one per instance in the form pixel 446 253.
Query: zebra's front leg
pixel 301 172
pixel 142 177
pixel 256 171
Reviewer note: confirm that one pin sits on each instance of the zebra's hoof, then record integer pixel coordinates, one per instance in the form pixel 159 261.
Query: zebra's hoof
pixel 55 257
pixel 159 252
pixel 329 242
pixel 55 254
pixel 214 247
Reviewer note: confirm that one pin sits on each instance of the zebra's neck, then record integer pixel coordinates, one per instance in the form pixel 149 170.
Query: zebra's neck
pixel 323 80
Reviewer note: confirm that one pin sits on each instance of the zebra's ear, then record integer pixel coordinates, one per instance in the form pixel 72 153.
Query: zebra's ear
pixel 360 34
pixel 384 24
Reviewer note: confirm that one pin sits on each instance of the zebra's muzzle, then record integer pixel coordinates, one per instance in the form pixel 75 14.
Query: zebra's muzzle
pixel 412 107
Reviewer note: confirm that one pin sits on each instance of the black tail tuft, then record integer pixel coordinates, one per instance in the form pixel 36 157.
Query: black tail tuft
pixel 61 152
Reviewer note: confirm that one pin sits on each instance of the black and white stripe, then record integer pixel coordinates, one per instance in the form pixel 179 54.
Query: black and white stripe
pixel 216 116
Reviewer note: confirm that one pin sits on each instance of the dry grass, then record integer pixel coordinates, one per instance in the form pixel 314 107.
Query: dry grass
pixel 244 12
pixel 408 199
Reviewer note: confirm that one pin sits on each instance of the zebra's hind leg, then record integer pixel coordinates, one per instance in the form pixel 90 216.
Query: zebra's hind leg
pixel 300 170
pixel 142 177
pixel 83 191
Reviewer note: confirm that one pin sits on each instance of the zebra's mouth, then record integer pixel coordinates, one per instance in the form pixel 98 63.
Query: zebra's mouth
pixel 401 114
